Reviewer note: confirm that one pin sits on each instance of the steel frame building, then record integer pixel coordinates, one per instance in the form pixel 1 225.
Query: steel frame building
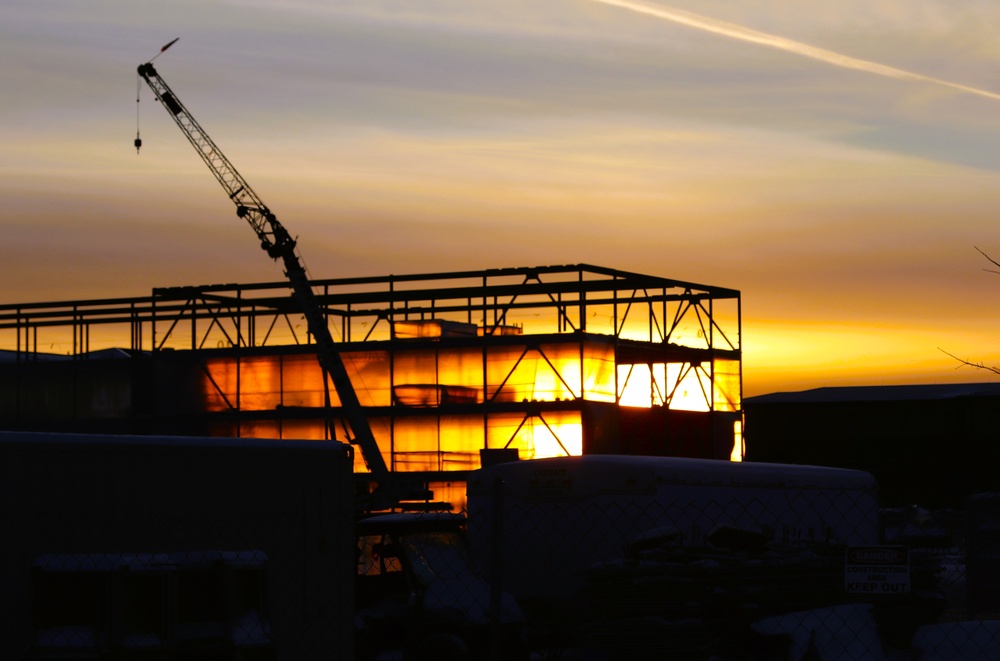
pixel 546 360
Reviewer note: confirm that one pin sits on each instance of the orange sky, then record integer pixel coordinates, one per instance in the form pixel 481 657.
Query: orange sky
pixel 396 137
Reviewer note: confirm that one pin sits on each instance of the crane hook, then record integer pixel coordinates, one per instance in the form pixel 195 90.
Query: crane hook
pixel 138 89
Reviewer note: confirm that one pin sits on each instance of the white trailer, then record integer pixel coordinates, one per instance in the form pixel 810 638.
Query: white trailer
pixel 549 520
pixel 132 544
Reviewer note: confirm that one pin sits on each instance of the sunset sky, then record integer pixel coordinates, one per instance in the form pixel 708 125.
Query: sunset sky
pixel 838 163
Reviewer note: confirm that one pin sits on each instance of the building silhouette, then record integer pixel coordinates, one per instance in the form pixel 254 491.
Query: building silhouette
pixel 544 361
pixel 927 445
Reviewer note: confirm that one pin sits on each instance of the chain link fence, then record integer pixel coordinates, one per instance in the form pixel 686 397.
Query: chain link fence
pixel 731 571
pixel 194 605
pixel 206 550
pixel 421 595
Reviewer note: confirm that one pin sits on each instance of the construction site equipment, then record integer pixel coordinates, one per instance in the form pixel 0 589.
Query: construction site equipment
pixel 279 244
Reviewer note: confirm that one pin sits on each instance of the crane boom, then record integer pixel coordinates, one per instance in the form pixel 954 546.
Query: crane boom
pixel 279 244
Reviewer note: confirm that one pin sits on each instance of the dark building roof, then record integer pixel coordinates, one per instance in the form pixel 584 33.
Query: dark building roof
pixel 845 394
pixel 8 356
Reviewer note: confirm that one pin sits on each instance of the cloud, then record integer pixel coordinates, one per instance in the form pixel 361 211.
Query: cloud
pixel 742 33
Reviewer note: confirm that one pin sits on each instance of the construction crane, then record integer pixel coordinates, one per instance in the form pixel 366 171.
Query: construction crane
pixel 279 244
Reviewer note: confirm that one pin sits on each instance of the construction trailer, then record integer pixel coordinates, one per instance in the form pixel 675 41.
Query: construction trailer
pixel 157 547
pixel 626 556
pixel 544 361
pixel 558 517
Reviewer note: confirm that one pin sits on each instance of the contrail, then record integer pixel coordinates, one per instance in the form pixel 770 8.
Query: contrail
pixel 805 50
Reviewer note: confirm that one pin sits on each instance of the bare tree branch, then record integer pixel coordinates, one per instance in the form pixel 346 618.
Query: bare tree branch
pixel 992 261
pixel 962 362
pixel 968 363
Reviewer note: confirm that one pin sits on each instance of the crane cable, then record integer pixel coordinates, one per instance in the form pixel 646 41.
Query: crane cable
pixel 138 89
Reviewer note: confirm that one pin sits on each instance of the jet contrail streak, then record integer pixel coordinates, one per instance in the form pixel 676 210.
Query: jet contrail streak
pixel 764 39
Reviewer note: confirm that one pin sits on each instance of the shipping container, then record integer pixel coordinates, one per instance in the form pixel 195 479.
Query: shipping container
pixel 126 546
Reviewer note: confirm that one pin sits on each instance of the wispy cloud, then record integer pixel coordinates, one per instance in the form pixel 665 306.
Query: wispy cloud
pixel 743 33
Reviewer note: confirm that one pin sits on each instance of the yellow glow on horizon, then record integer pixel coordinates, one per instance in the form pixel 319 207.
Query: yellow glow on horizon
pixel 689 386
pixel 782 355
pixel 678 386
pixel 419 377
pixel 636 386
pixel 556 439
pixel 426 376
pixel 739 449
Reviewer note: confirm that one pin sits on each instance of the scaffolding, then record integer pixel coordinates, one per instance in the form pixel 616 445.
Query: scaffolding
pixel 548 360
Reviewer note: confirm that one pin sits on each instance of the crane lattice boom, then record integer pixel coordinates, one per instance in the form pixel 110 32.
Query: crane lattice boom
pixel 279 244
